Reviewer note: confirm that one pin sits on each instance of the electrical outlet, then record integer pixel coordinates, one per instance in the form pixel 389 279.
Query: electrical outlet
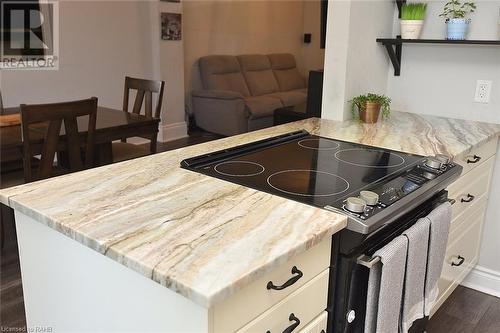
pixel 483 90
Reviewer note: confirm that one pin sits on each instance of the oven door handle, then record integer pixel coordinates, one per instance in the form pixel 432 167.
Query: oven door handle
pixel 367 261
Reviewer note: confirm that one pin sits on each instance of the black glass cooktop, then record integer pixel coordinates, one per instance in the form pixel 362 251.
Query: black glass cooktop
pixel 303 167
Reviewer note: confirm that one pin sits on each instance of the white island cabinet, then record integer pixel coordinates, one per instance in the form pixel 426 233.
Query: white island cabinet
pixel 71 288
pixel 147 246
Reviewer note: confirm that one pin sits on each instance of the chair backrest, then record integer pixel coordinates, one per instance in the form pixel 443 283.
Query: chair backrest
pixel 145 90
pixel 47 119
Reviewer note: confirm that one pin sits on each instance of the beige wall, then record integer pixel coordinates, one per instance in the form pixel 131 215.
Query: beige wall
pixel 313 57
pixel 97 49
pixel 239 27
pixel 100 43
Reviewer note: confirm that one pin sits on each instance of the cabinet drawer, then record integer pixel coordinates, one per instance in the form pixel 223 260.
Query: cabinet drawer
pixel 467 247
pixel 318 325
pixel 254 299
pixel 298 309
pixel 478 155
pixel 470 187
pixel 463 221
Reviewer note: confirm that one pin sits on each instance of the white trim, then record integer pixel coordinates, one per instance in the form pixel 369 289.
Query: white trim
pixel 483 279
pixel 170 132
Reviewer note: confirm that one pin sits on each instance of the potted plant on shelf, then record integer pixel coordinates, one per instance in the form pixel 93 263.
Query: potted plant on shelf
pixel 369 107
pixel 412 19
pixel 455 12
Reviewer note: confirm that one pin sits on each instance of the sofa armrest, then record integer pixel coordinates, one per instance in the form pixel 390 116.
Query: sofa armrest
pixel 217 94
pixel 224 114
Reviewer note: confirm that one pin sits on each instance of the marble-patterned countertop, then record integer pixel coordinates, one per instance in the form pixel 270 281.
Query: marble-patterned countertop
pixel 203 237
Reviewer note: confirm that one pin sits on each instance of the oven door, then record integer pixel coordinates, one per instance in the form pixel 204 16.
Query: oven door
pixel 347 301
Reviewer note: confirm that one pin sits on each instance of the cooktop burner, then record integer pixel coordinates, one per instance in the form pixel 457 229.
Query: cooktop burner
pixel 297 182
pixel 239 168
pixel 361 181
pixel 370 158
pixel 319 144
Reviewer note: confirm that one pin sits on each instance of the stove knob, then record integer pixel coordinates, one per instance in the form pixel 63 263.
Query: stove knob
pixel 444 159
pixel 428 175
pixel 433 163
pixel 355 205
pixel 371 198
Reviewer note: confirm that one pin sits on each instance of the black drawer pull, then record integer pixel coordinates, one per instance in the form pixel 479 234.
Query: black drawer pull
pixel 296 323
pixel 290 328
pixel 460 261
pixel 470 197
pixel 292 280
pixel 475 159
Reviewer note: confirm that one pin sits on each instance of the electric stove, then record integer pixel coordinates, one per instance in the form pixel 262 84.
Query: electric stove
pixel 382 192
pixel 371 185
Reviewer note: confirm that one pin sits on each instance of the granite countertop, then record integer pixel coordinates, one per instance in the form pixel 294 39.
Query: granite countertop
pixel 203 237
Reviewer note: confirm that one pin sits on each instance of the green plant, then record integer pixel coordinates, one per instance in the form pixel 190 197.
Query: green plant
pixel 413 11
pixel 360 103
pixel 455 9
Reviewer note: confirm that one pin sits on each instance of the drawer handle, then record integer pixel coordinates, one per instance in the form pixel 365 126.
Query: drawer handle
pixel 470 197
pixel 292 280
pixel 290 328
pixel 460 261
pixel 475 159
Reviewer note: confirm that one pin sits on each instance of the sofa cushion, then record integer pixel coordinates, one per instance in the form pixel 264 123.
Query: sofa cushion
pixel 262 106
pixel 286 72
pixel 291 98
pixel 222 72
pixel 257 71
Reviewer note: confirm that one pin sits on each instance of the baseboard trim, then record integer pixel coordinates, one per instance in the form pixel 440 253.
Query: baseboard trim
pixel 170 132
pixel 484 280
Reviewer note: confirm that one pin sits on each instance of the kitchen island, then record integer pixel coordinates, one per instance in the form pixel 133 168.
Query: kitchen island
pixel 196 242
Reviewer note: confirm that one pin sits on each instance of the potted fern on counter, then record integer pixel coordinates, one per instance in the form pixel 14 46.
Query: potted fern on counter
pixel 412 19
pixel 369 107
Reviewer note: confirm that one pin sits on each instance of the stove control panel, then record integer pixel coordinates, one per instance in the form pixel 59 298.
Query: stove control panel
pixel 369 202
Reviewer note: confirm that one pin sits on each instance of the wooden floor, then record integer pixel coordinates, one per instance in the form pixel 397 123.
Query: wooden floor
pixel 466 311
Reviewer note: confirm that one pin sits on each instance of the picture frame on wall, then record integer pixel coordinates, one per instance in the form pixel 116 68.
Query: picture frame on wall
pixel 171 26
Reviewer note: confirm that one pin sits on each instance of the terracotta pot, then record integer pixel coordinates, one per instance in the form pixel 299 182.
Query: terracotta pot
pixel 370 112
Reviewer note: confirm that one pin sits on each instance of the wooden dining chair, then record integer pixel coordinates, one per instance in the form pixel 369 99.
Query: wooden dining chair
pixel 143 101
pixel 48 119
pixel 1 103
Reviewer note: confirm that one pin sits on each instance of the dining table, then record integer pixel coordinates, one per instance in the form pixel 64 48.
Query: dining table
pixel 111 125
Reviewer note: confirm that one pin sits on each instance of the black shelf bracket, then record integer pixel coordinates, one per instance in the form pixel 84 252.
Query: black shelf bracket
pixel 394 50
pixel 394 46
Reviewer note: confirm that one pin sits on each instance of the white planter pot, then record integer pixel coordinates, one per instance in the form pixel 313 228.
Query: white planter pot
pixel 411 29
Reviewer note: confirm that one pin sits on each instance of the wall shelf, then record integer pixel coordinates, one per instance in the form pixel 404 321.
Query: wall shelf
pixel 394 47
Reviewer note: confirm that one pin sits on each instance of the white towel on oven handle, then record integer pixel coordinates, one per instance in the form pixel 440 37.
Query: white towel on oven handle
pixel 440 219
pixel 416 265
pixel 385 287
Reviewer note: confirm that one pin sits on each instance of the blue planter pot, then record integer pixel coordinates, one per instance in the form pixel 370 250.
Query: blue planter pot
pixel 457 28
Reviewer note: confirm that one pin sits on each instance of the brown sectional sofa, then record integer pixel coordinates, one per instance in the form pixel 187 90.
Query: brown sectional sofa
pixel 241 92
